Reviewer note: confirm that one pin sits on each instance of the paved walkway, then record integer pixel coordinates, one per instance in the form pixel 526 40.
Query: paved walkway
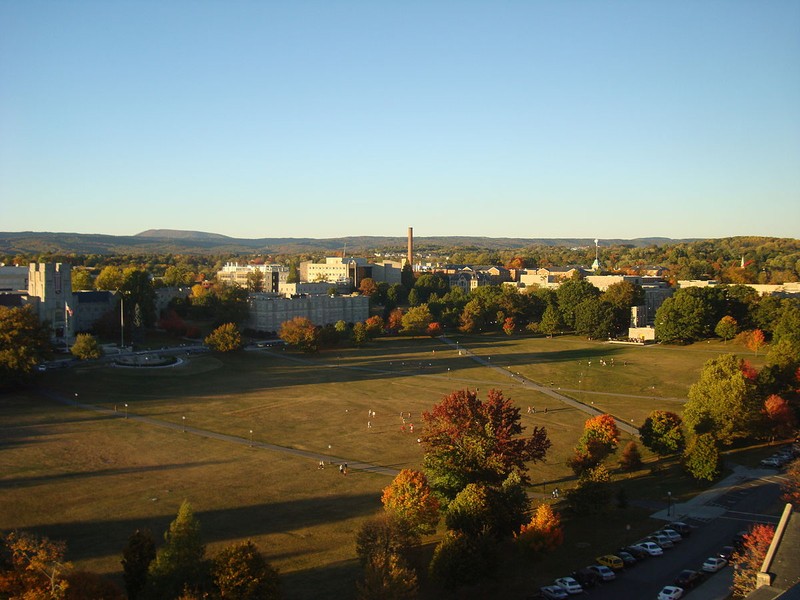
pixel 590 410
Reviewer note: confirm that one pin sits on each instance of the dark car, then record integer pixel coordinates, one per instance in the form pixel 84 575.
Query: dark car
pixel 682 528
pixel 628 560
pixel 688 578
pixel 726 552
pixel 586 577
pixel 637 552
pixel 738 540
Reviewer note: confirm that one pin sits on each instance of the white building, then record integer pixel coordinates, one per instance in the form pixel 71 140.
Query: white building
pixel 236 274
pixel 339 270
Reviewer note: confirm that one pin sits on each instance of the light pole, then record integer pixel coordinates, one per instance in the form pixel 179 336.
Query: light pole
pixel 126 410
pixel 76 399
pixel 183 422
pixel 251 438
pixel 669 503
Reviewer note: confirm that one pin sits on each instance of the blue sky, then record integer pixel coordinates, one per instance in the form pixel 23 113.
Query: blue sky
pixel 333 118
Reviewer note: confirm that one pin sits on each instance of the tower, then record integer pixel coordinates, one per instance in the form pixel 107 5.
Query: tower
pixel 51 284
pixel 596 263
pixel 410 255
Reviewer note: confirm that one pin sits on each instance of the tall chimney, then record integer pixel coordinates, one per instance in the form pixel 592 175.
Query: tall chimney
pixel 410 257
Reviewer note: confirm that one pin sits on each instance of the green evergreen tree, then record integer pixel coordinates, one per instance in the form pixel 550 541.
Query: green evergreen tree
pixel 180 563
pixel 136 558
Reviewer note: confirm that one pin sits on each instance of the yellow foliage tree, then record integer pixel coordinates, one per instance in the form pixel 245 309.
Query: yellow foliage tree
pixel 409 498
pixel 543 533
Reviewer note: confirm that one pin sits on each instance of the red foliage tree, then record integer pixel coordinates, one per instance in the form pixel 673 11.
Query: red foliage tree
pixel 409 498
pixel 750 557
pixel 395 320
pixel 467 441
pixel 791 484
pixel 434 329
pixel 509 325
pixel 748 370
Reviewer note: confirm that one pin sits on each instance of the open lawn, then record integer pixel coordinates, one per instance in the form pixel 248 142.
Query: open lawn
pixel 92 479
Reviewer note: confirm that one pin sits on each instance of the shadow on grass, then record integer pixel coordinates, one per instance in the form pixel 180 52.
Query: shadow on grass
pixel 98 538
pixel 53 478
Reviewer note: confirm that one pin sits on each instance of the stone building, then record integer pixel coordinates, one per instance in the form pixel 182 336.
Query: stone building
pixel 268 311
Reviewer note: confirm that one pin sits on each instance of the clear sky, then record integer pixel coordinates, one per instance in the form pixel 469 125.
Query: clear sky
pixel 331 118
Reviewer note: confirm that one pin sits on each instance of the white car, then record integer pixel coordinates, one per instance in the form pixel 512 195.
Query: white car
pixel 605 573
pixel 661 540
pixel 673 535
pixel 553 592
pixel 651 548
pixel 670 592
pixel 569 584
pixel 714 564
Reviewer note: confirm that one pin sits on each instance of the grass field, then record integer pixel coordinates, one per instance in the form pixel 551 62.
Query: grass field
pixel 92 479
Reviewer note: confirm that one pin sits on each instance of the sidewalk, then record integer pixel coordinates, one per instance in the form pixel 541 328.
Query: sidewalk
pixel 700 507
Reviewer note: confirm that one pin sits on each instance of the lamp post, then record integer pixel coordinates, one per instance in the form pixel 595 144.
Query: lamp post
pixel 251 438
pixel 183 422
pixel 126 410
pixel 76 399
pixel 669 503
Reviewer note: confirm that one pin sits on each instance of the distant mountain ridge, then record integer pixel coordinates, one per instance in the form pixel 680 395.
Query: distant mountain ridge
pixel 155 241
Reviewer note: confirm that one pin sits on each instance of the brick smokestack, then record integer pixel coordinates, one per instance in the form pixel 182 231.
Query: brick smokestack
pixel 410 257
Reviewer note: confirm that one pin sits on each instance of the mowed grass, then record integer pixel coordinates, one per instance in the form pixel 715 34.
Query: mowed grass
pixel 92 479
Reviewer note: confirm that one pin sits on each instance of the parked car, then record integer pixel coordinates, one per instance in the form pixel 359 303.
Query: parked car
pixel 673 535
pixel 638 553
pixel 611 561
pixel 714 564
pixel 651 548
pixel 569 584
pixel 661 540
pixel 670 592
pixel 771 463
pixel 681 527
pixel 627 558
pixel 604 572
pixel 553 592
pixel 688 579
pixel 726 552
pixel 586 577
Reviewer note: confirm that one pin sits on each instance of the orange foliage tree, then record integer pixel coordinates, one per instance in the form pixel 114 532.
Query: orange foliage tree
pixel 791 484
pixel 780 415
pixel 34 568
pixel 600 438
pixel 755 340
pixel 544 532
pixel 749 558
pixel 301 333
pixel 409 498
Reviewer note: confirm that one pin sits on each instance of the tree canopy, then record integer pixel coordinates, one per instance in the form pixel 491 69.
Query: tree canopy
pixel 24 343
pixel 467 440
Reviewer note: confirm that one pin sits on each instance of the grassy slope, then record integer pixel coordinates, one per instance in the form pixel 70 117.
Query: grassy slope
pixel 92 480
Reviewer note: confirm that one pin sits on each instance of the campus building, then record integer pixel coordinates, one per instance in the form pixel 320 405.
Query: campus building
pixel 236 274
pixel 268 311
pixel 339 270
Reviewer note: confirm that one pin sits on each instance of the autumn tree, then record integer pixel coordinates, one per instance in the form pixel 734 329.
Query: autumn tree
pixel 416 320
pixel 723 401
pixel 702 459
pixel 367 287
pixel 360 335
pixel 383 547
pixel 780 416
pixel 81 280
pixel 543 533
pixel 409 498
pixel 24 343
pixel 136 558
pixel 662 432
pixel 791 484
pixel 180 562
pixel 34 568
pixel 756 340
pixel 300 333
pixel 631 459
pixel 599 439
pixel 255 281
pixel 395 321
pixel 374 326
pixel 110 278
pixel 225 338
pixel 570 294
pixel 86 347
pixel 240 572
pixel 467 440
pixel 727 328
pixel 749 558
